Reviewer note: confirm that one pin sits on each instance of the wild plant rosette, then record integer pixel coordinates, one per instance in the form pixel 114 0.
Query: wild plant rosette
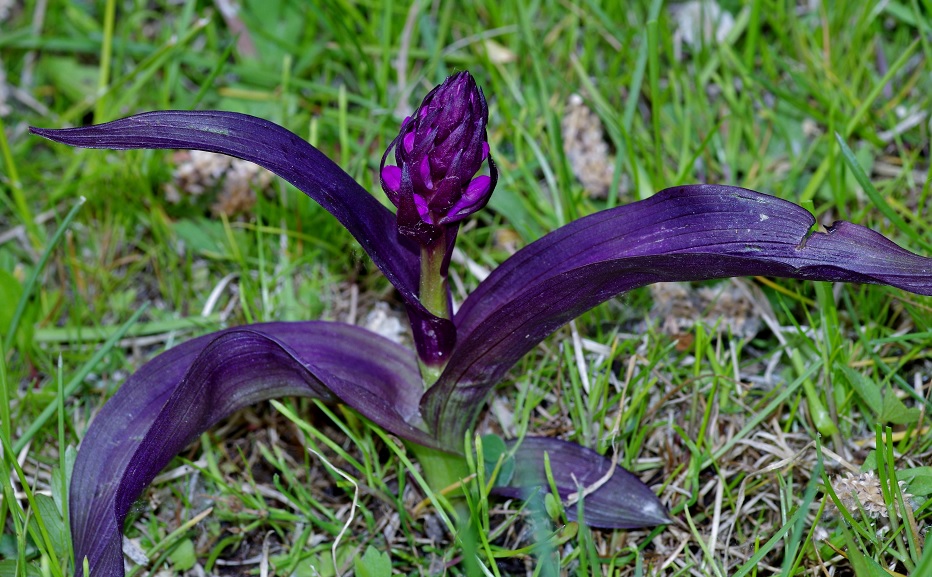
pixel 437 172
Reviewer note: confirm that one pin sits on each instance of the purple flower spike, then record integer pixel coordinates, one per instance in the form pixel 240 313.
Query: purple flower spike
pixel 438 152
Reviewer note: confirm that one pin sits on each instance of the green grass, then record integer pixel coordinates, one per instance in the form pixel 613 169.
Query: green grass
pixel 740 436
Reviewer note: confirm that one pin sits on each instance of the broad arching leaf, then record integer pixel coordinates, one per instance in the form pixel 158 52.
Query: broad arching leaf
pixel 181 393
pixel 685 233
pixel 292 158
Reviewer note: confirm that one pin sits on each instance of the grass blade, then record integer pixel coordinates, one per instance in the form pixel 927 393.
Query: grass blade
pixel 33 278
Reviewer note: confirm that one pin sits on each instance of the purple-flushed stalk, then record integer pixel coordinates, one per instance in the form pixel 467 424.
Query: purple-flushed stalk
pixel 432 396
pixel 433 185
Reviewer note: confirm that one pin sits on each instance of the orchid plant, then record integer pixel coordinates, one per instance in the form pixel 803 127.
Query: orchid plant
pixel 437 172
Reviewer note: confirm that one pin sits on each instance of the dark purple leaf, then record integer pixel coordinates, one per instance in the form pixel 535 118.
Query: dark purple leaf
pixel 181 393
pixel 288 156
pixel 680 234
pixel 616 501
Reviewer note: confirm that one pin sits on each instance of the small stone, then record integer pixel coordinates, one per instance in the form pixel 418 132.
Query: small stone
pixel 863 492
pixel 586 149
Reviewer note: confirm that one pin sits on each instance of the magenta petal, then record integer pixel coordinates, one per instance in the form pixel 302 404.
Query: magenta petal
pixel 621 501
pixel 391 178
pixel 181 393
pixel 391 182
pixel 474 199
pixel 422 209
pixel 684 233
pixel 424 172
pixel 478 188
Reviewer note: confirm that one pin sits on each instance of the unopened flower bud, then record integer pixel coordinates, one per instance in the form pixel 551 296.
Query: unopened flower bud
pixel 437 155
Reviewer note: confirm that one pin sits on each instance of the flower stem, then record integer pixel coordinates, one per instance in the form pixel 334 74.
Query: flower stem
pixel 434 289
pixel 429 373
pixel 435 296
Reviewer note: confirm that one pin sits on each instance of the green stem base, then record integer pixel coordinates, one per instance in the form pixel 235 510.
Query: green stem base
pixel 443 470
